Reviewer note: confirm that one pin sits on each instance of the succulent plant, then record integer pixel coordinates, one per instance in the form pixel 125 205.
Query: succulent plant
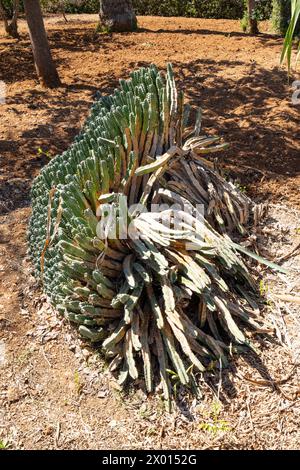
pixel 169 292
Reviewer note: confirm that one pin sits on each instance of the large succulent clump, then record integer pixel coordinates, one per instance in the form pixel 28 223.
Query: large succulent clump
pixel 160 289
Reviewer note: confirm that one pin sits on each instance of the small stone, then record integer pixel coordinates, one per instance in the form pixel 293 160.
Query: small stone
pixel 113 423
pixel 13 395
pixel 114 385
pixel 86 353
pixel 48 430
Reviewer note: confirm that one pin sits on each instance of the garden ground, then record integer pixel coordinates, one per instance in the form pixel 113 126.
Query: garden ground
pixel 54 391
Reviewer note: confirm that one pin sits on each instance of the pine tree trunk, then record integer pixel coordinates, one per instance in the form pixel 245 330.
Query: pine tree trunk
pixel 44 64
pixel 253 26
pixel 12 27
pixel 117 15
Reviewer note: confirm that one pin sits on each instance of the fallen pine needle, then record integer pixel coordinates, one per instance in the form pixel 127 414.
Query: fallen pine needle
pixel 288 255
pixel 271 382
pixel 288 298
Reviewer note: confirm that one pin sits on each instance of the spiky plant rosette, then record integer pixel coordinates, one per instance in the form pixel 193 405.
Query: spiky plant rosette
pixel 161 290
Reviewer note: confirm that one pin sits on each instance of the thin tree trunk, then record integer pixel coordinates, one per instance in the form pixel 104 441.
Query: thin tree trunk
pixel 3 14
pixel 117 15
pixel 12 27
pixel 44 64
pixel 62 5
pixel 253 26
pixel 64 16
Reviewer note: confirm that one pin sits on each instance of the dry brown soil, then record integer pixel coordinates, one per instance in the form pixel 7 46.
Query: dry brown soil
pixel 54 393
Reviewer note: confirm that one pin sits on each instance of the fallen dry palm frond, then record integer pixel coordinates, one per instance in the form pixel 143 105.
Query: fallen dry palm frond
pixel 170 294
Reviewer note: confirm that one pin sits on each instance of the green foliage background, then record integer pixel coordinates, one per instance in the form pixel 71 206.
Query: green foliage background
pixel 228 9
pixel 8 5
pixel 281 16
pixel 231 9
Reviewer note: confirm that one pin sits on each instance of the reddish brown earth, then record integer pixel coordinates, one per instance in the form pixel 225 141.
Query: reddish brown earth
pixel 51 397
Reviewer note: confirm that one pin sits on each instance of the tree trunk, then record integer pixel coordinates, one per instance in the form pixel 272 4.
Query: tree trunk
pixel 117 15
pixel 44 64
pixel 12 27
pixel 253 26
pixel 3 14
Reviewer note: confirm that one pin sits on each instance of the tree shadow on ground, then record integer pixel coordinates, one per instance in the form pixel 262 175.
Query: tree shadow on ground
pixel 78 39
pixel 210 32
pixel 16 59
pixel 244 112
pixel 221 381
pixel 268 40
pixel 65 110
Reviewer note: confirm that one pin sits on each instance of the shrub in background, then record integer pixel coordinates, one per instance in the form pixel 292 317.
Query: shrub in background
pixel 281 16
pixel 231 9
pixel 9 7
pixel 263 10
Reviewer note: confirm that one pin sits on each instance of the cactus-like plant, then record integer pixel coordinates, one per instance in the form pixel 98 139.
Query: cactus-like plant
pixel 158 296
